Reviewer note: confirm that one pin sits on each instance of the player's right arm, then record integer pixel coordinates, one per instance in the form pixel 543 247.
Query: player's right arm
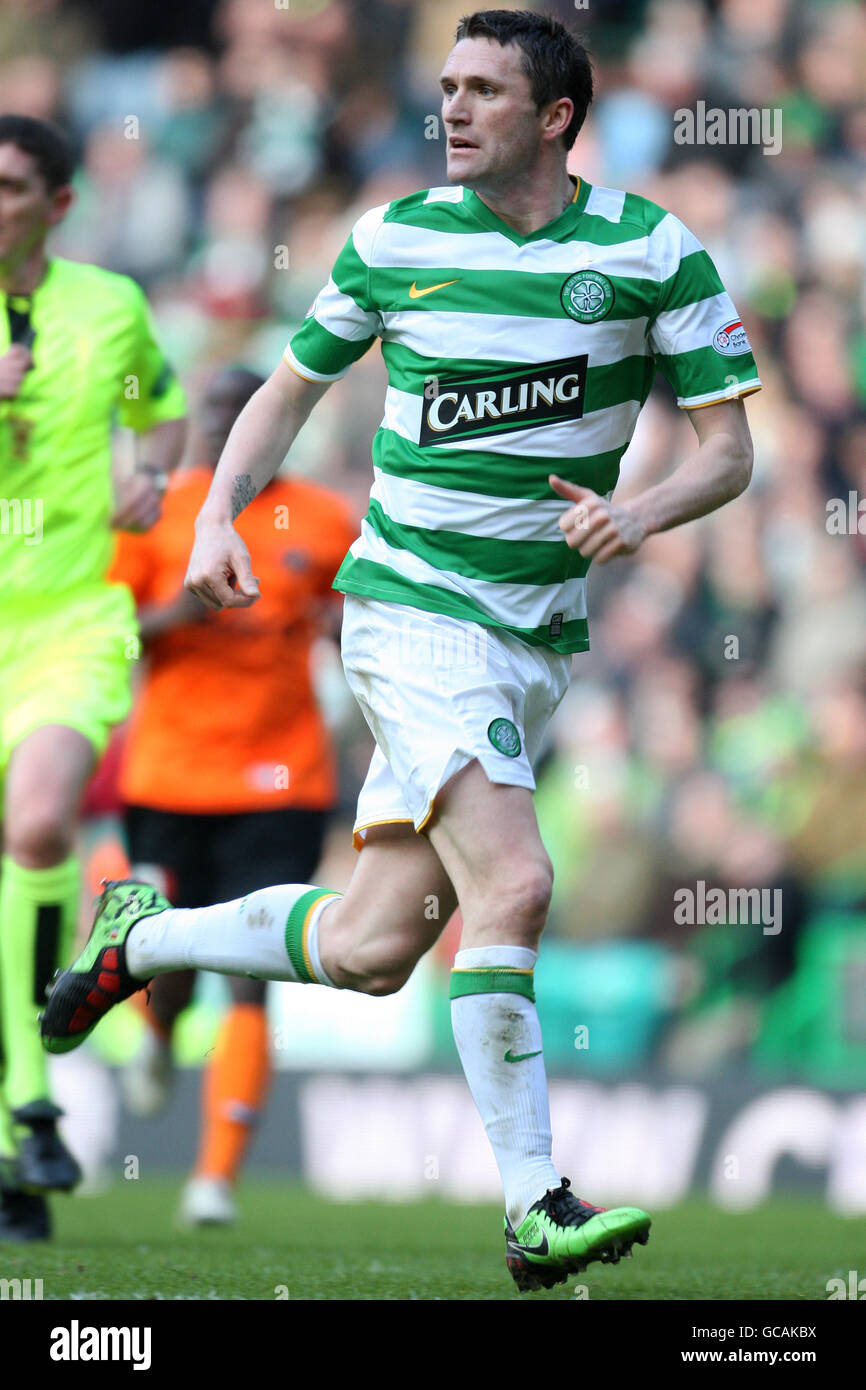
pixel 341 325
pixel 220 571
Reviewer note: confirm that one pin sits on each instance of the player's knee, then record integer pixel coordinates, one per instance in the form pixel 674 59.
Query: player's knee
pixel 523 894
pixel 38 837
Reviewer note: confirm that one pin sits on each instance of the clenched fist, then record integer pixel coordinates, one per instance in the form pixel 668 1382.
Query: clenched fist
pixel 220 570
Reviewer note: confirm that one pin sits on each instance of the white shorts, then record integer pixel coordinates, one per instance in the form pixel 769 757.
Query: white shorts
pixel 438 693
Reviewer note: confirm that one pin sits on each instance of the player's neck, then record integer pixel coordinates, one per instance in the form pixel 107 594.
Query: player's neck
pixel 528 203
pixel 25 275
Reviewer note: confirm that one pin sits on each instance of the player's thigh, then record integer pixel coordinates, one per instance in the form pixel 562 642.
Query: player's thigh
pixel 486 836
pixel 45 780
pixel 67 664
pixel 65 682
pixel 396 905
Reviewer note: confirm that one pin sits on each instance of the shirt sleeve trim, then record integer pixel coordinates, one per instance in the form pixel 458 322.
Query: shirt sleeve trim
pixel 713 398
pixel 300 369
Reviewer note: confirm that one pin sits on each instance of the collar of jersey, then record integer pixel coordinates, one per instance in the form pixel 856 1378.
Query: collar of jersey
pixel 551 231
pixel 49 272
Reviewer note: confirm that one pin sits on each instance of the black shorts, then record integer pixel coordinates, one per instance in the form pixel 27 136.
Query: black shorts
pixel 212 859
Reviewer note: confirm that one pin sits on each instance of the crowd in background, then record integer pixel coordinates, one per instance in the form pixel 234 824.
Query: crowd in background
pixel 717 729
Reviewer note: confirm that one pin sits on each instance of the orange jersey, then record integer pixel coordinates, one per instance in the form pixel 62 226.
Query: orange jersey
pixel 226 720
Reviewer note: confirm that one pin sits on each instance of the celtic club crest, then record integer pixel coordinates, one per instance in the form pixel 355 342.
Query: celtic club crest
pixel 587 296
pixel 504 737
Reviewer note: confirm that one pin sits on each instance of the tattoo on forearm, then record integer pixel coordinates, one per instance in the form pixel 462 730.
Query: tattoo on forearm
pixel 243 493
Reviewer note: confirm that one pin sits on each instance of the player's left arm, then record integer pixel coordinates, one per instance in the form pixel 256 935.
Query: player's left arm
pixel 717 472
pixel 138 494
pixel 154 406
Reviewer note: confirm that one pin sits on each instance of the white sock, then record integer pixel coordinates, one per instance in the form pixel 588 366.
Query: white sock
pixel 492 1020
pixel 265 935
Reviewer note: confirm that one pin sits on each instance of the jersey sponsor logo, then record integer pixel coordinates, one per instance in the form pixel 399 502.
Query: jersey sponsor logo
pixel 587 296
pixel 415 293
pixel 521 1056
pixel 731 340
pixel 504 737
pixel 513 398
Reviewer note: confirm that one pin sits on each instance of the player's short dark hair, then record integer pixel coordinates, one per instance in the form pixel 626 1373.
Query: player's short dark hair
pixel 49 148
pixel 554 60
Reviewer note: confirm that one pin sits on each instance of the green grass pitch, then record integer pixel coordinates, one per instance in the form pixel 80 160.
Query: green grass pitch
pixel 124 1244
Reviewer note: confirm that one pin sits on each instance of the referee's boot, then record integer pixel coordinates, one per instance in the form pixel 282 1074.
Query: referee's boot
pixel 44 1162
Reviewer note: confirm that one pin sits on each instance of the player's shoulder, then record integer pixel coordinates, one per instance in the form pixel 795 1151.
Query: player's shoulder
pixel 634 214
pixel 86 279
pixel 430 208
pixel 423 201
pixel 656 236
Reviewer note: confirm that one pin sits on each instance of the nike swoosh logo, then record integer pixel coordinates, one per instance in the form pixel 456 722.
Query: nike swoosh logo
pixel 415 293
pixel 540 1249
pixel 521 1056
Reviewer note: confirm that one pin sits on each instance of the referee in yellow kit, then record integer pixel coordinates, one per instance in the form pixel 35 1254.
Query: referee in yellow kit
pixel 77 352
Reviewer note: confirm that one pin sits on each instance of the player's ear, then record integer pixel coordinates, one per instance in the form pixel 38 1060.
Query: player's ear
pixel 61 201
pixel 557 118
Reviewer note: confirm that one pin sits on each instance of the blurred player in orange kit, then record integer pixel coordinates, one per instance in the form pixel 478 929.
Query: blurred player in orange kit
pixel 227 775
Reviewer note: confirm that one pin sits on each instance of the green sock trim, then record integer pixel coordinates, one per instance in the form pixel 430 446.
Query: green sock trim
pixel 295 931
pixel 494 979
pixel 38 918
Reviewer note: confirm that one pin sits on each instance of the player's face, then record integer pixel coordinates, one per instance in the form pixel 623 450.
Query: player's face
pixel 493 128
pixel 27 208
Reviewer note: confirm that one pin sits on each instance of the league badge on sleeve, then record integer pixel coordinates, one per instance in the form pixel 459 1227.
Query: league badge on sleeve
pixel 730 340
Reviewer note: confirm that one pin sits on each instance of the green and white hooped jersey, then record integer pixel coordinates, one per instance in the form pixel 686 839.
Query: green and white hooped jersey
pixel 510 358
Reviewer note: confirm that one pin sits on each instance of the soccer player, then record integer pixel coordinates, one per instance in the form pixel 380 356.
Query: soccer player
pixel 227 773
pixel 522 315
pixel 76 348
